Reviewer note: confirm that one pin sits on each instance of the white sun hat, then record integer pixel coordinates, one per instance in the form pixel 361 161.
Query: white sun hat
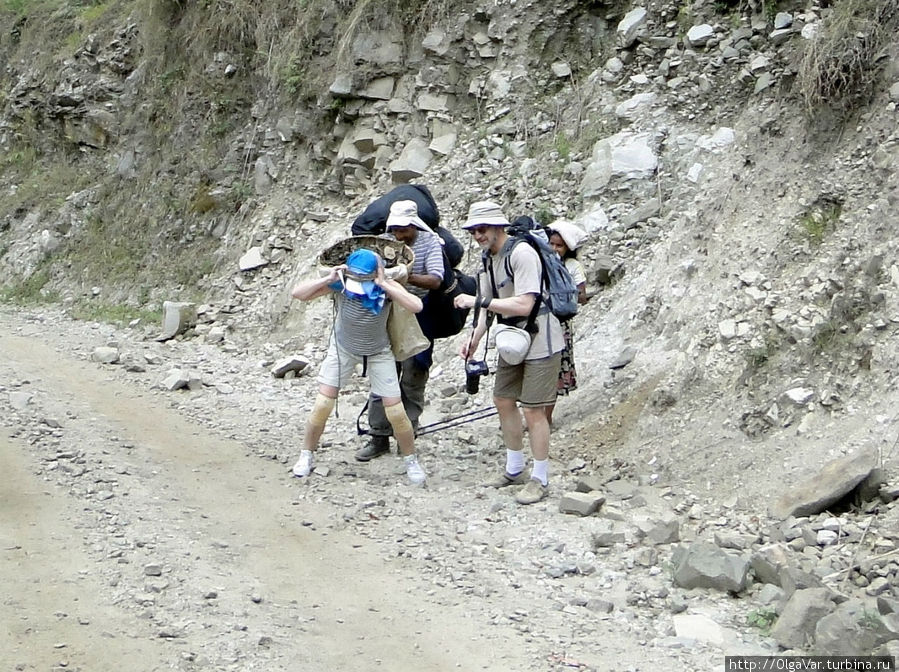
pixel 573 235
pixel 405 213
pixel 485 213
pixel 512 343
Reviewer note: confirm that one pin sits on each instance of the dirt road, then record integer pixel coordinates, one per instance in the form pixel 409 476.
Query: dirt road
pixel 163 528
pixel 127 533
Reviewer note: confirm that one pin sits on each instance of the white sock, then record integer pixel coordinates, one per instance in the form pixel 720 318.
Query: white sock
pixel 514 462
pixel 540 471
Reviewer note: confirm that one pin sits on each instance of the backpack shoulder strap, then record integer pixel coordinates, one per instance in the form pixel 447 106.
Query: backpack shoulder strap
pixel 531 325
pixel 488 271
pixel 506 251
pixel 449 278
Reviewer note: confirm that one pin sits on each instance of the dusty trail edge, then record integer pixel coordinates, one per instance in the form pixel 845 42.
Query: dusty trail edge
pixel 368 613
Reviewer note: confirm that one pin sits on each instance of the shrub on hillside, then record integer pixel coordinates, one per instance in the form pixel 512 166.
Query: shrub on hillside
pixel 840 65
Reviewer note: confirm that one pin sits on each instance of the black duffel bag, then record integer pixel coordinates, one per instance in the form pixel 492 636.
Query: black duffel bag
pixel 373 220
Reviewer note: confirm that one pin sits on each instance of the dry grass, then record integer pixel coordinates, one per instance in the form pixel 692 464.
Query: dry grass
pixel 188 119
pixel 412 13
pixel 293 42
pixel 840 65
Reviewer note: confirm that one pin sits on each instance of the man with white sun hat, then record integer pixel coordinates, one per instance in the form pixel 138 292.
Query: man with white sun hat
pixel 528 367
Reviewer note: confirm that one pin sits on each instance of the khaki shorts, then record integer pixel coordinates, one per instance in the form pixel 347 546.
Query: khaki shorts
pixel 339 365
pixel 532 383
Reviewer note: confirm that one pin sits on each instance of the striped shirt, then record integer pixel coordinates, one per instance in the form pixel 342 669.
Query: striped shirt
pixel 358 330
pixel 428 259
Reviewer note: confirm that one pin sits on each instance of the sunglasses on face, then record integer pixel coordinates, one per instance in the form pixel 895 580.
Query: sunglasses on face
pixel 479 230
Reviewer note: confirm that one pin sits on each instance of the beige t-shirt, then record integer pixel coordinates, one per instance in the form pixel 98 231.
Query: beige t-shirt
pixel 526 279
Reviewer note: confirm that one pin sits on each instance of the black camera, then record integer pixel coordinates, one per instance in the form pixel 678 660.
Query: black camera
pixel 474 369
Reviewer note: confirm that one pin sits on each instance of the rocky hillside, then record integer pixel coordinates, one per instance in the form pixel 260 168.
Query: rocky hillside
pixel 735 165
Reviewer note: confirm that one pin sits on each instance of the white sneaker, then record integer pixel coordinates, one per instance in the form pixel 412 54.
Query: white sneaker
pixel 414 471
pixel 303 467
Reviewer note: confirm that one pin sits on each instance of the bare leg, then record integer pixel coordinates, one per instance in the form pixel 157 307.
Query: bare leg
pixel 510 423
pixel 538 432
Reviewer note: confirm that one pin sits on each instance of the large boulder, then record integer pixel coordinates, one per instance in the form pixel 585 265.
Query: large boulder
pixel 623 157
pixel 630 26
pixel 177 317
pixel 768 561
pixel 412 163
pixel 829 485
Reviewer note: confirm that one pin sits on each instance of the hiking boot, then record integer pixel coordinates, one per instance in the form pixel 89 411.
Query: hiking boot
pixel 303 467
pixel 377 446
pixel 505 479
pixel 532 493
pixel 414 471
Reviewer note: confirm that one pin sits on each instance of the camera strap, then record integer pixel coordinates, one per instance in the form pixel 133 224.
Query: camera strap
pixel 478 304
pixel 474 322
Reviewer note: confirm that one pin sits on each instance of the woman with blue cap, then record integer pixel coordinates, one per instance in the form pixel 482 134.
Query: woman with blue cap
pixel 359 336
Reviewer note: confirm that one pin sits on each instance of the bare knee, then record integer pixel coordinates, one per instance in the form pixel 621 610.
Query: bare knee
pixel 535 416
pixel 505 406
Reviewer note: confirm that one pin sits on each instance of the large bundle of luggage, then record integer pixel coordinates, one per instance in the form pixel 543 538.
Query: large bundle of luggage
pixel 440 318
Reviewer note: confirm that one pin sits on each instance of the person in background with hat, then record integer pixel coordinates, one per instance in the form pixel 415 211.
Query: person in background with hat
pixel 565 238
pixel 531 383
pixel 359 336
pixel 426 274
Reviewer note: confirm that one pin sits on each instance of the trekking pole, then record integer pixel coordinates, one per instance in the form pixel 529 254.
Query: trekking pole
pixel 459 420
pixel 446 423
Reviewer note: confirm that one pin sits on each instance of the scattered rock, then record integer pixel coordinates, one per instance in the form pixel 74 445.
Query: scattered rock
pixel 581 503
pixel 703 565
pixel 795 627
pixel 105 355
pixel 294 363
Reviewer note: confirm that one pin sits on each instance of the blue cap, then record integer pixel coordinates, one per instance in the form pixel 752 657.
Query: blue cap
pixel 362 267
pixel 363 263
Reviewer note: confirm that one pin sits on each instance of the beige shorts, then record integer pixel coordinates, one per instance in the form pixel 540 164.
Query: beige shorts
pixel 339 365
pixel 532 383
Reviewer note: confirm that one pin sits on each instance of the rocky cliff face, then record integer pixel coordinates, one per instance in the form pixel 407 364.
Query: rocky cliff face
pixel 741 250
